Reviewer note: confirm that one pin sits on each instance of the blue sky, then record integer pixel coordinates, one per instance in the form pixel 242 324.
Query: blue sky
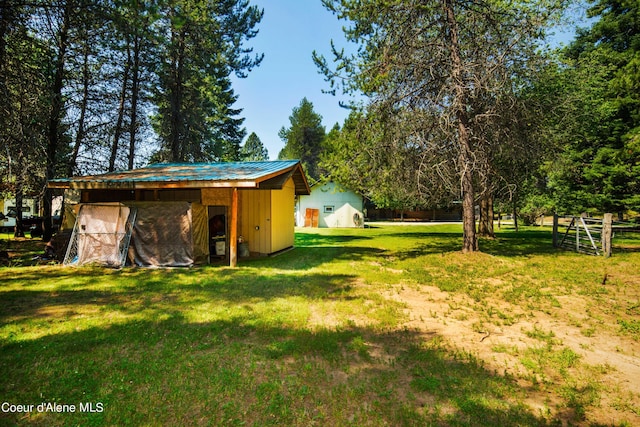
pixel 289 32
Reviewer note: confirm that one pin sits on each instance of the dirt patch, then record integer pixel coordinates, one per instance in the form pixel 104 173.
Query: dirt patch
pixel 611 360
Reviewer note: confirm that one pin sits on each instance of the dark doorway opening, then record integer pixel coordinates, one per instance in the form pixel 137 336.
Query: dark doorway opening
pixel 218 232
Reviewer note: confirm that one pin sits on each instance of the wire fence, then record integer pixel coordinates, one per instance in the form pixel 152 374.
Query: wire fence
pixel 626 235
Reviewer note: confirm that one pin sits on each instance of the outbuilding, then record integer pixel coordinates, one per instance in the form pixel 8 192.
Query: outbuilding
pixel 180 214
pixel 330 205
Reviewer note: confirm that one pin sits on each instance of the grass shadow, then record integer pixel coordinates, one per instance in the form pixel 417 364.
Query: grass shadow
pixel 506 243
pixel 525 242
pixel 308 239
pixel 22 251
pixel 268 343
pixel 426 243
pixel 307 257
pixel 132 290
pixel 626 241
pixel 245 370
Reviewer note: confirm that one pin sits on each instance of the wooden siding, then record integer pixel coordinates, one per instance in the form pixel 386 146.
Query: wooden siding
pixel 282 214
pixel 265 218
pixel 200 229
pixel 216 196
pixel 255 220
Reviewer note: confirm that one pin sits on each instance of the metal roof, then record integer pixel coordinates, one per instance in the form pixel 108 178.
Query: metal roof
pixel 259 175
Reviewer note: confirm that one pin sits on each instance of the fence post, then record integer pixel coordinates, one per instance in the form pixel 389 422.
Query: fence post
pixel 607 234
pixel 577 235
pixel 555 229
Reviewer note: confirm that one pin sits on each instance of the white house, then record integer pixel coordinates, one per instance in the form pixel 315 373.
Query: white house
pixel 330 205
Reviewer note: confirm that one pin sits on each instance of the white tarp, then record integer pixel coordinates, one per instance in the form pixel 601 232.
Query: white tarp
pixel 101 230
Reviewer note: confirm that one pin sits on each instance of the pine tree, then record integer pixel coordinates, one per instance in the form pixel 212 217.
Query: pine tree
pixel 434 70
pixel 253 150
pixel 202 47
pixel 599 167
pixel 304 138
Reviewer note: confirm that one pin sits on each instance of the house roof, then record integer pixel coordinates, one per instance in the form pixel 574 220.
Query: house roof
pixel 258 175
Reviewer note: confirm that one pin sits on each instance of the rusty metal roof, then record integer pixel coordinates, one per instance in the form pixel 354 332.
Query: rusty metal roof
pixel 259 175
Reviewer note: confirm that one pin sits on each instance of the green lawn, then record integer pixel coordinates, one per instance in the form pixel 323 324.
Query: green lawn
pixel 322 335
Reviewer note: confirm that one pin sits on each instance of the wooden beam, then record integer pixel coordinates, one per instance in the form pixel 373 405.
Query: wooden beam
pixel 151 185
pixel 233 233
pixel 62 185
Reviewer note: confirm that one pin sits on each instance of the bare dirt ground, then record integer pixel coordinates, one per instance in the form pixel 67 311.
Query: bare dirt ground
pixel 613 360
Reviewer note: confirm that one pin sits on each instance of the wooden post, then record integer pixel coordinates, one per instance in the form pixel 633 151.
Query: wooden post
pixel 577 235
pixel 555 229
pixel 607 234
pixel 233 233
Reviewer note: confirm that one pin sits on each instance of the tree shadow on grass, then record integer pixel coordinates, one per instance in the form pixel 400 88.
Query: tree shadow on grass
pixel 522 243
pixel 317 249
pixel 55 274
pixel 307 257
pixel 428 244
pixel 307 239
pixel 624 248
pixel 249 370
pixel 157 291
pixel 626 242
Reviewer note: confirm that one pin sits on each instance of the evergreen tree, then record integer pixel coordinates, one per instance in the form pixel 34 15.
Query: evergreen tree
pixel 253 150
pixel 383 170
pixel 436 72
pixel 133 52
pixel 201 48
pixel 24 96
pixel 75 79
pixel 304 138
pixel 599 167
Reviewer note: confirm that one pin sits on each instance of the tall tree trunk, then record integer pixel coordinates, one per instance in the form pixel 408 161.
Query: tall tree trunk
pixel 118 130
pixel 18 229
pixel 176 97
pixel 515 210
pixel 55 118
pixel 5 21
pixel 86 76
pixel 469 239
pixel 482 220
pixel 135 93
pixel 485 224
pixel 490 214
